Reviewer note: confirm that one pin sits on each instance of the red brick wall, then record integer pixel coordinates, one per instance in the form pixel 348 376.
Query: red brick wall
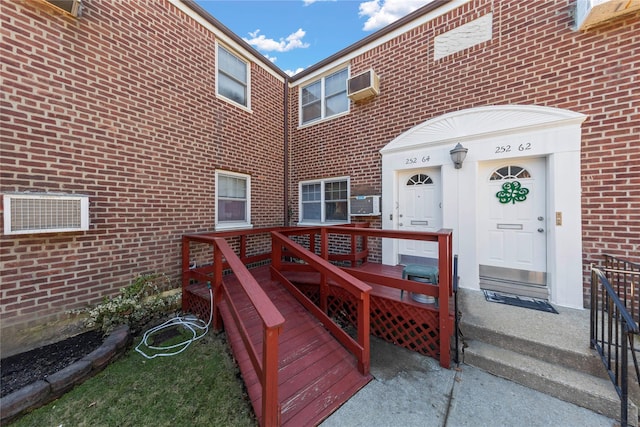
pixel 534 58
pixel 120 105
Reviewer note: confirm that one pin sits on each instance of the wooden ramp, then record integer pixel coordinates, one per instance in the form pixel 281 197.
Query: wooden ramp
pixel 316 373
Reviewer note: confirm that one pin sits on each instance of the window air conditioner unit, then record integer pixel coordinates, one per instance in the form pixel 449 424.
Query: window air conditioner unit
pixel 365 206
pixel 30 213
pixel 590 13
pixel 363 86
pixel 72 7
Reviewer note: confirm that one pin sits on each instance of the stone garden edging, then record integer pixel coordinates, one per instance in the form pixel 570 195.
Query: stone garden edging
pixel 43 391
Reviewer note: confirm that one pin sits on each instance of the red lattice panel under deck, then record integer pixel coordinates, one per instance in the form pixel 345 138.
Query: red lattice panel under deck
pixel 198 301
pixel 406 325
pixel 342 306
pixel 310 291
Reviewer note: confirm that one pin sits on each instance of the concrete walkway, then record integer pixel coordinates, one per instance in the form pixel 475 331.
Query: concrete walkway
pixel 413 390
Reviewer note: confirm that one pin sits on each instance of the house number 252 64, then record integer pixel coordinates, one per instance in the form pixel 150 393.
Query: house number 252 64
pixel 414 160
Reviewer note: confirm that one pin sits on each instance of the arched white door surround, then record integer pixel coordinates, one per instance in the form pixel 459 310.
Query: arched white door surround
pixel 494 134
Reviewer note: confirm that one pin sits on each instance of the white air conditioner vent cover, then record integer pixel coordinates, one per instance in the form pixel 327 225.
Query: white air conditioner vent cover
pixel 45 213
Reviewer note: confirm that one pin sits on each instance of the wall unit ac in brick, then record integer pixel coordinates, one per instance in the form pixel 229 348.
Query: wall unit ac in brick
pixel 365 206
pixel 362 86
pixel 30 213
pixel 72 7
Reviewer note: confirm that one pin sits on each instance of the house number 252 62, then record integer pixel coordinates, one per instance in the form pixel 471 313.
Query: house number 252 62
pixel 501 149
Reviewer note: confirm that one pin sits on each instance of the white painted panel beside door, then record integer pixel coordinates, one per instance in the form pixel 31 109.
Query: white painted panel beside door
pixel 419 209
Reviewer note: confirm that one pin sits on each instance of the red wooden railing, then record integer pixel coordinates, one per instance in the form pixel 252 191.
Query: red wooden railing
pixel 443 291
pixel 354 256
pixel 238 239
pixel 328 272
pixel 266 367
pixel 350 279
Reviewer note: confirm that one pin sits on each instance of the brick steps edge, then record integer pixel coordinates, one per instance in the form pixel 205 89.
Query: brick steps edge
pixel 41 392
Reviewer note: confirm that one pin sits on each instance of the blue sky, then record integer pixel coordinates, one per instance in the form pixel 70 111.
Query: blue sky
pixel 295 34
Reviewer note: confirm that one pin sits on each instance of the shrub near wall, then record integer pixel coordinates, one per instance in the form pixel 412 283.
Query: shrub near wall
pixel 533 58
pixel 120 105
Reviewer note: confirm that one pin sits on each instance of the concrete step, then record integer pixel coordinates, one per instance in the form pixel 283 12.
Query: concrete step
pixel 544 351
pixel 579 388
pixel 574 356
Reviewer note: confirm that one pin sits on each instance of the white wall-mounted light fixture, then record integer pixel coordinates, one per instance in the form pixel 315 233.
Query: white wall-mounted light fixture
pixel 458 155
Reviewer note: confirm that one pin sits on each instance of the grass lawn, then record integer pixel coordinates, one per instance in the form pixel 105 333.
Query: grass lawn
pixel 199 387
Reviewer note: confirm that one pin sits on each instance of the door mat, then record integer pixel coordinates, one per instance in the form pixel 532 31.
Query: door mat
pixel 518 301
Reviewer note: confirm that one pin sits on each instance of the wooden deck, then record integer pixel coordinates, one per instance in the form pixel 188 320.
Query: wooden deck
pixel 316 373
pixel 395 318
pixel 279 330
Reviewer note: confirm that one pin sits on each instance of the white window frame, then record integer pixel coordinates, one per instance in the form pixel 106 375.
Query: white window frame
pixel 227 225
pixel 323 97
pixel 248 77
pixel 323 220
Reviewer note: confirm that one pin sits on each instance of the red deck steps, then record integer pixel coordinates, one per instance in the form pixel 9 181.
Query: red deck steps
pixel 280 335
pixel 316 374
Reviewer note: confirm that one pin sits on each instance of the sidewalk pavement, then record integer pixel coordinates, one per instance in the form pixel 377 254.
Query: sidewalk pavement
pixel 409 389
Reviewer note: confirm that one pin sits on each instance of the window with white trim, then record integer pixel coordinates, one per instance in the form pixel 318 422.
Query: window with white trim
pixel 233 200
pixel 232 77
pixel 324 201
pixel 325 97
pixel 509 172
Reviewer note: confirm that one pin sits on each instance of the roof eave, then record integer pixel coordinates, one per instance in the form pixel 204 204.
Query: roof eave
pixel 230 34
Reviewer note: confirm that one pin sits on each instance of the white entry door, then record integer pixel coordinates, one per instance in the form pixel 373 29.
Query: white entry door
pixel 512 227
pixel 419 209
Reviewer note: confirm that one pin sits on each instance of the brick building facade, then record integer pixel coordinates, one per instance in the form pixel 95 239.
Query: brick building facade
pixel 467 64
pixel 121 105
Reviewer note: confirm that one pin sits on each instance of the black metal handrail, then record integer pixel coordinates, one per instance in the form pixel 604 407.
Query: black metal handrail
pixel 611 330
pixel 624 277
pixel 457 311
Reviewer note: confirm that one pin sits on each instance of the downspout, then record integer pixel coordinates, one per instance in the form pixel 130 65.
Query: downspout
pixel 286 152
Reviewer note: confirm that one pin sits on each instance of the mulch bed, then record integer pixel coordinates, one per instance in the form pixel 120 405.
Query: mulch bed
pixel 23 369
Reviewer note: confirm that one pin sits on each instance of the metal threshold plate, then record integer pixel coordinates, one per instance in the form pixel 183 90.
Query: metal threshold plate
pixel 513 281
pixel 502 274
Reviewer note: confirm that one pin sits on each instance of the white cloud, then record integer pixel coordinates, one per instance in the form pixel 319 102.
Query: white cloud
pixel 308 2
pixel 380 13
pixel 292 73
pixel 292 41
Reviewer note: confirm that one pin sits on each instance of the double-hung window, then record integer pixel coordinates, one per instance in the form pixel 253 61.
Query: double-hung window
pixel 324 201
pixel 325 97
pixel 232 77
pixel 233 200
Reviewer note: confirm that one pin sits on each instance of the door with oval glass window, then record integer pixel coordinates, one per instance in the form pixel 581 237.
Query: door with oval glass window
pixel 419 209
pixel 512 227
